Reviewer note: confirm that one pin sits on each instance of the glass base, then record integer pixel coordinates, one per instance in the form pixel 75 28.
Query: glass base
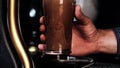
pixel 60 52
pixel 53 52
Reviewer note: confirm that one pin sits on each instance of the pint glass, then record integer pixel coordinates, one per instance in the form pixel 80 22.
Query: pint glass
pixel 58 20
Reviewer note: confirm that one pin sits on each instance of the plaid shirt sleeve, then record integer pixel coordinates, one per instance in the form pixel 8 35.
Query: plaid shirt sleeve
pixel 117 34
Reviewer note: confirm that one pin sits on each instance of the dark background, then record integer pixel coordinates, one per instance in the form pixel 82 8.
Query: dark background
pixel 108 17
pixel 108 14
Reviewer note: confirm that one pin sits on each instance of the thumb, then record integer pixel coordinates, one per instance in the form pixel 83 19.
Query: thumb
pixel 85 24
pixel 82 19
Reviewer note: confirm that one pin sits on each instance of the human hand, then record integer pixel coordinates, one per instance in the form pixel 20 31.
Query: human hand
pixel 83 34
pixel 86 39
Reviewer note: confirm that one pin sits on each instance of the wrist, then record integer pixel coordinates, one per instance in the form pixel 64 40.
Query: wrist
pixel 106 42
